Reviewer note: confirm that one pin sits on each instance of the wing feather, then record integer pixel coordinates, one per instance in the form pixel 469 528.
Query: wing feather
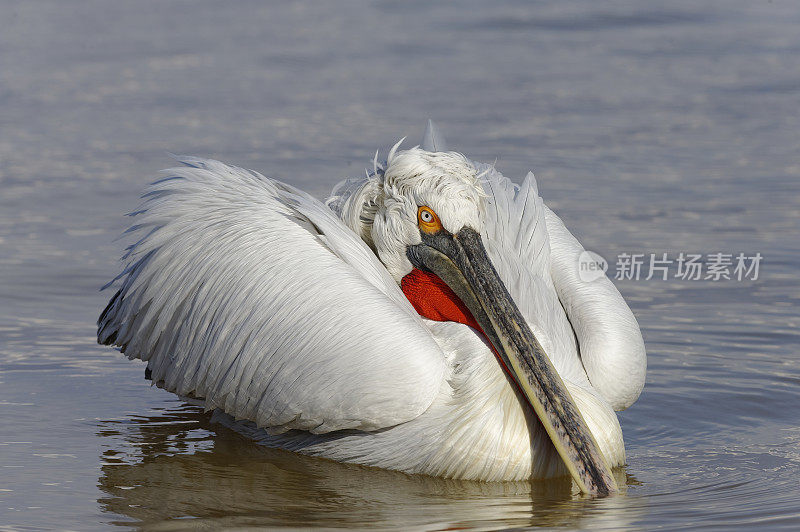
pixel 612 348
pixel 586 327
pixel 252 295
pixel 518 243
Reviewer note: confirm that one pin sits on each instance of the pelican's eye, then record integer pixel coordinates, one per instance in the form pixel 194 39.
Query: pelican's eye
pixel 428 221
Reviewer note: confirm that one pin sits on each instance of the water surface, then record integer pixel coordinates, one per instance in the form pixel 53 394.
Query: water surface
pixel 652 128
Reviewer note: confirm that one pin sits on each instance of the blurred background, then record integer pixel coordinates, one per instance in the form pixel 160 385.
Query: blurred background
pixel 651 128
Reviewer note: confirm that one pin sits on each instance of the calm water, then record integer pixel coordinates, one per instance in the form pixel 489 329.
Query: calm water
pixel 652 127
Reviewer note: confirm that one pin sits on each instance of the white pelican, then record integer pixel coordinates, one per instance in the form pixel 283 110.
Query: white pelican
pixel 430 319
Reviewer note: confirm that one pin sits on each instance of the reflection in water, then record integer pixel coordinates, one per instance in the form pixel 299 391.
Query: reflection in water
pixel 177 465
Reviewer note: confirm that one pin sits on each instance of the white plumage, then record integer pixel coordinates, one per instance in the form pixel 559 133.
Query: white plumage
pixel 286 314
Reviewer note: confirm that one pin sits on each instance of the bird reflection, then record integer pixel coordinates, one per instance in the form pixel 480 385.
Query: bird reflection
pixel 175 464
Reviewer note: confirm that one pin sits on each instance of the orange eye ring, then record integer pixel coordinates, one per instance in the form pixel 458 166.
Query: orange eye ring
pixel 428 221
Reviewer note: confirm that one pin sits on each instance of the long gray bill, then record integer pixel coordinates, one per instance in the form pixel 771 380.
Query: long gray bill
pixel 461 261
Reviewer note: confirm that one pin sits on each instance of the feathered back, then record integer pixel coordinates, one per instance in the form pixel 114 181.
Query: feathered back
pixel 244 292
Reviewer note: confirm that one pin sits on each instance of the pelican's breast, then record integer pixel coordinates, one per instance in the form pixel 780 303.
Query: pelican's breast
pixel 484 430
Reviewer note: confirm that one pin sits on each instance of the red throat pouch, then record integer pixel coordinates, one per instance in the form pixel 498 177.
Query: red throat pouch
pixel 433 299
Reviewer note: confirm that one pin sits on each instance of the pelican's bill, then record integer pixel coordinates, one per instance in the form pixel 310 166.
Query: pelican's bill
pixel 461 261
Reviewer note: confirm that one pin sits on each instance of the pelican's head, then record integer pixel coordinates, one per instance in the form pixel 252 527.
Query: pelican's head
pixel 423 192
pixel 425 211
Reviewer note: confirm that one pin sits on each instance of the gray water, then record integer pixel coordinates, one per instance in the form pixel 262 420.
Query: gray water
pixel 652 127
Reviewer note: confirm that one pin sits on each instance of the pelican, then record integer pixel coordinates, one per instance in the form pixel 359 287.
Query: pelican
pixel 428 318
